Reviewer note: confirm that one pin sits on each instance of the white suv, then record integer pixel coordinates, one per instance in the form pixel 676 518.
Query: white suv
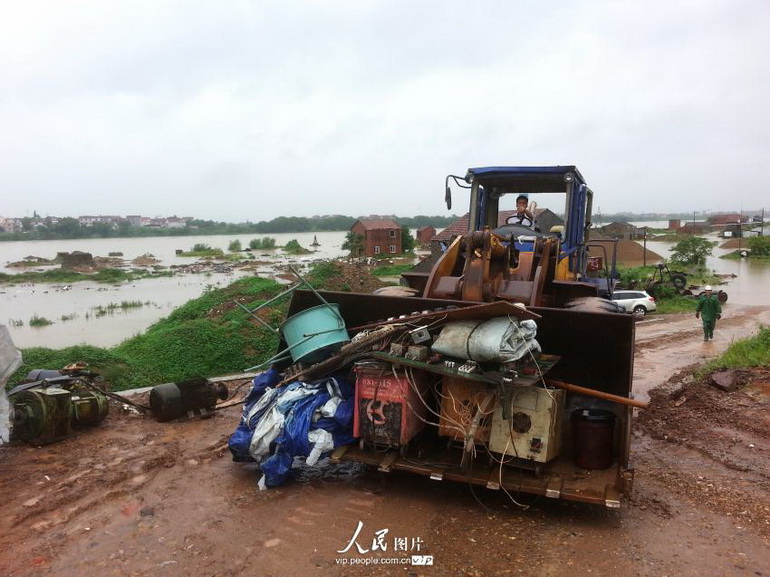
pixel 637 302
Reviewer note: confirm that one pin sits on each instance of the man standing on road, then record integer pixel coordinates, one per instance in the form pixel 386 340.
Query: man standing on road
pixel 709 310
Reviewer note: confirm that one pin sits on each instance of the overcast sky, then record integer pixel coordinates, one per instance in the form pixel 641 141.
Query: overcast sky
pixel 248 110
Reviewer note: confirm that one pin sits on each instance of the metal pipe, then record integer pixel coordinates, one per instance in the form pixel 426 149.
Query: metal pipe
pixel 598 394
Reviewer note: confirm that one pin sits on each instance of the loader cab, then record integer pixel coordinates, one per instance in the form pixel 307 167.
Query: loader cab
pixel 559 191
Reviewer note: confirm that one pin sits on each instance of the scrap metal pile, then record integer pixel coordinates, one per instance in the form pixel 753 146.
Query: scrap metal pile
pixel 460 391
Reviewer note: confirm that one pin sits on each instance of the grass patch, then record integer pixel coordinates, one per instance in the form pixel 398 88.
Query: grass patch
pixel 264 243
pixel 58 276
pixel 676 304
pixel 202 250
pixel 322 273
pixel 749 352
pixel 37 321
pixel 293 247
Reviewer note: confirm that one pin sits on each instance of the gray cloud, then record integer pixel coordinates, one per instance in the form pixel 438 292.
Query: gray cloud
pixel 260 109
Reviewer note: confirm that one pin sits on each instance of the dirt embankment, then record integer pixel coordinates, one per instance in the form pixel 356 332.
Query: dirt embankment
pixel 139 498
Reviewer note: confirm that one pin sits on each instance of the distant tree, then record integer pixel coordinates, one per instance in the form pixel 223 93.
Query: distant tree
pixel 67 227
pixel 692 250
pixel 125 228
pixel 759 245
pixel 407 240
pixel 234 246
pixel 354 243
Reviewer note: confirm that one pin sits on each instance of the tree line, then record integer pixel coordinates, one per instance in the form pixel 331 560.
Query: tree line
pixel 70 228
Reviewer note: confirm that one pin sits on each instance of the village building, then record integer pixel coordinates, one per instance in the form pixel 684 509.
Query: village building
pixel 10 224
pixel 89 220
pixel 381 236
pixel 694 228
pixel 620 230
pixel 425 234
pixel 725 219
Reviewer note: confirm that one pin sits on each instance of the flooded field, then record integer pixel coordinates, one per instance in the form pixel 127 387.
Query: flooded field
pixel 105 315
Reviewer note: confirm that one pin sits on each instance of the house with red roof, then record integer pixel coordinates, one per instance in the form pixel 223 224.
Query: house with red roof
pixel 381 236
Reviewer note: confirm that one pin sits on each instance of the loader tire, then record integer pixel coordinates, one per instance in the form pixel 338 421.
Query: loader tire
pixel 722 296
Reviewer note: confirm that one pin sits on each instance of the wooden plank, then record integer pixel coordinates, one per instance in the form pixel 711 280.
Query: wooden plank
pixel 387 463
pixel 338 453
pixel 553 488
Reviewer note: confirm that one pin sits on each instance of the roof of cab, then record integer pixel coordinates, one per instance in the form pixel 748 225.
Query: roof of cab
pixel 525 178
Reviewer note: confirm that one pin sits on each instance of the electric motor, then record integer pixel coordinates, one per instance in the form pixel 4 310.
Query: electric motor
pixel 187 398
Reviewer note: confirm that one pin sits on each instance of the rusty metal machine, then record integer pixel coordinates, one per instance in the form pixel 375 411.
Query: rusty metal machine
pixel 496 410
pixel 51 403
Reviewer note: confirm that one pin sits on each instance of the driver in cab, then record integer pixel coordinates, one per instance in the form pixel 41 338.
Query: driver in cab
pixel 523 216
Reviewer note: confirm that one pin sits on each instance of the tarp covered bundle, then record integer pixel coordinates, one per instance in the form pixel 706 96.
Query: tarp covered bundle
pixel 500 339
pixel 298 420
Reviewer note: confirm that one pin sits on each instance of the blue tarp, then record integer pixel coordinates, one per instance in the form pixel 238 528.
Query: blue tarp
pixel 298 420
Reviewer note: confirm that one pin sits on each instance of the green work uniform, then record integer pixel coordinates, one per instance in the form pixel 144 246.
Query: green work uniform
pixel 709 308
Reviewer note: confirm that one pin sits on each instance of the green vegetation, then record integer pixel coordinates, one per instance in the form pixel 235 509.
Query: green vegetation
pixel 354 243
pixel 110 308
pixel 407 240
pixel 322 273
pixel 293 247
pixel 749 352
pixel 759 246
pixel 69 317
pixel 692 250
pixel 37 321
pixel 58 276
pixel 234 246
pixel 265 243
pixel 636 277
pixel 675 304
pixel 203 250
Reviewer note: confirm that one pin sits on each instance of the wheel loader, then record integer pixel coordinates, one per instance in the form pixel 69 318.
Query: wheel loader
pixel 498 366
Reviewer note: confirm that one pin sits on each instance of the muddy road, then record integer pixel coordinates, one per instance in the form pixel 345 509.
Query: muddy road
pixel 134 497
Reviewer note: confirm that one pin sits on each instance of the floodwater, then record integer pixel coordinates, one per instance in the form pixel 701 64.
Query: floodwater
pixel 164 248
pixel 92 313
pixel 751 285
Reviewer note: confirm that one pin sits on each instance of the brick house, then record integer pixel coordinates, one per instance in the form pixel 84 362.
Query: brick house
pixel 424 234
pixel 381 236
